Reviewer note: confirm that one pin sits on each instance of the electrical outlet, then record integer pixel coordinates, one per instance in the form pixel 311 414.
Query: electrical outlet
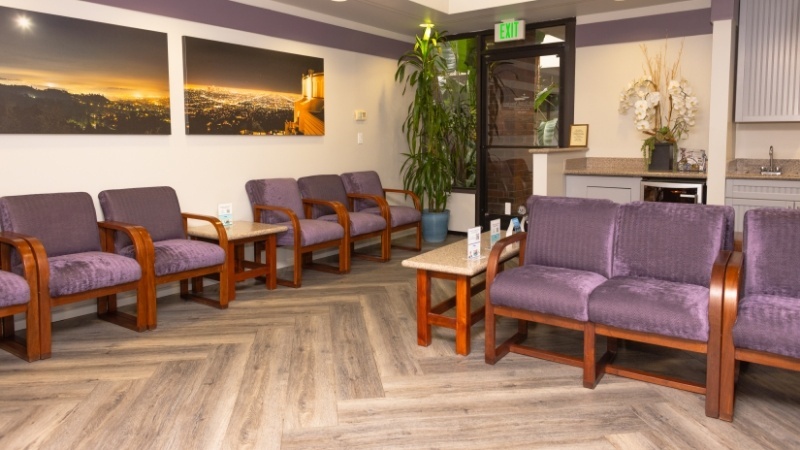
pixel 360 137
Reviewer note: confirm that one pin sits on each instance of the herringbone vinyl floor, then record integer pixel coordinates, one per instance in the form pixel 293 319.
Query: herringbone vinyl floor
pixel 336 365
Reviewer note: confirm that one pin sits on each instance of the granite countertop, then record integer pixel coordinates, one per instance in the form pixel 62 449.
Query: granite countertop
pixel 751 169
pixel 239 230
pixel 550 150
pixel 621 167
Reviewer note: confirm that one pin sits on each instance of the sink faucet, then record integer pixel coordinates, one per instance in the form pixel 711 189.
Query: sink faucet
pixel 771 165
pixel 772 169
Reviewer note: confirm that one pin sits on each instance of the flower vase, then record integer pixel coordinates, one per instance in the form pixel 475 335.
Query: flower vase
pixel 663 157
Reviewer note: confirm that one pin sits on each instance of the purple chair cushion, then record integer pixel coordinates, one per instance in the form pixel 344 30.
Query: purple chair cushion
pixel 360 222
pixel 65 223
pixel 572 233
pixel 81 272
pixel 275 192
pixel 323 187
pixel 154 208
pixel 399 215
pixel 367 182
pixel 551 290
pixel 311 232
pixel 772 252
pixel 14 289
pixel 768 323
pixel 652 306
pixel 669 241
pixel 180 255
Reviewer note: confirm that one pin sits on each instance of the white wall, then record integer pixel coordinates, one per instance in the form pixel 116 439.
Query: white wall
pixel 753 140
pixel 603 71
pixel 207 170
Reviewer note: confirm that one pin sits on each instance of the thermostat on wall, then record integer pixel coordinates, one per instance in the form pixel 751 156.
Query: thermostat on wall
pixel 360 115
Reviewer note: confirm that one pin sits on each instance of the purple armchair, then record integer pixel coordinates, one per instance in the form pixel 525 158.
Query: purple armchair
pixel 401 217
pixel 175 257
pixel 665 289
pixel 19 294
pixel 362 225
pixel 278 201
pixel 565 254
pixel 761 321
pixel 75 259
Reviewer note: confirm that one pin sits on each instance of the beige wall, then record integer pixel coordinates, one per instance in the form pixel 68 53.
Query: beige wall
pixel 603 71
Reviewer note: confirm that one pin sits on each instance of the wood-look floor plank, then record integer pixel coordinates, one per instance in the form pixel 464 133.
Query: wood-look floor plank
pixel 357 374
pixel 311 398
pixel 257 417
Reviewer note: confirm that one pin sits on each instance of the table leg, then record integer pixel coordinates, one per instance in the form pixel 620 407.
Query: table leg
pixel 272 264
pixel 423 307
pixel 231 255
pixel 463 315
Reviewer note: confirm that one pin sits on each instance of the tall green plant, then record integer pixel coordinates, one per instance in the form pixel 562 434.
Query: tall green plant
pixel 427 170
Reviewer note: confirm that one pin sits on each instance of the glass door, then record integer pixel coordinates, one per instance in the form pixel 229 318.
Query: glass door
pixel 521 111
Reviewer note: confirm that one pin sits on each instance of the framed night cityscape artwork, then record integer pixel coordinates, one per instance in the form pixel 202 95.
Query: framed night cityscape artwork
pixel 60 75
pixel 235 89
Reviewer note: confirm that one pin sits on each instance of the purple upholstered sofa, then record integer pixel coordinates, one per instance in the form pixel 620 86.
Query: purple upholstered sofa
pixel 761 321
pixel 642 271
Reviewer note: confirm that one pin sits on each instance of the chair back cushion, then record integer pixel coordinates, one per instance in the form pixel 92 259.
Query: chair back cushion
pixel 275 192
pixel 572 233
pixel 154 208
pixel 367 182
pixel 65 223
pixel 323 187
pixel 670 241
pixel 772 252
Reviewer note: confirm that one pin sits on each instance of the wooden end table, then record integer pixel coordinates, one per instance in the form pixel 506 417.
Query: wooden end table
pixel 239 234
pixel 450 262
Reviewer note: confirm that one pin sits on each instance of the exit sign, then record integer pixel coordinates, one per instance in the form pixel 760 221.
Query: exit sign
pixel 512 30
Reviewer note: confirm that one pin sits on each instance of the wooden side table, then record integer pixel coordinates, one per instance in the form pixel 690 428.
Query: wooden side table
pixel 239 234
pixel 450 262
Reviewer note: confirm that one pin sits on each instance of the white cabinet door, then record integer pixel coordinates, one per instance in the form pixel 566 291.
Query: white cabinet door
pixel 615 194
pixel 742 205
pixel 616 189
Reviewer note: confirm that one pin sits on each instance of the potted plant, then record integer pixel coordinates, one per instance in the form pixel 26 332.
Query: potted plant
pixel 428 168
pixel 664 108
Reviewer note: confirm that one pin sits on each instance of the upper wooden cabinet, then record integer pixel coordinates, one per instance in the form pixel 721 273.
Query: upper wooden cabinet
pixel 768 63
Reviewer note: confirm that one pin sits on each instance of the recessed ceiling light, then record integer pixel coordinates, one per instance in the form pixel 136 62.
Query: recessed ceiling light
pixel 340 0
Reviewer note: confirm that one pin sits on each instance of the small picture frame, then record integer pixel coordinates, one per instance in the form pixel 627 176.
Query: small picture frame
pixel 579 135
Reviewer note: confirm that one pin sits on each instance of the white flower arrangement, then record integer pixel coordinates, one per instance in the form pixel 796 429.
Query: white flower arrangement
pixel 664 107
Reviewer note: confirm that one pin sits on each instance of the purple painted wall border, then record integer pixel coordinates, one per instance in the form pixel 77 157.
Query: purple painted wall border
pixel 646 28
pixel 723 9
pixel 248 18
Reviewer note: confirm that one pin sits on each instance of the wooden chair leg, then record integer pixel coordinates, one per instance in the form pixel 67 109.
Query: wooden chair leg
pixel 590 377
pixel 45 328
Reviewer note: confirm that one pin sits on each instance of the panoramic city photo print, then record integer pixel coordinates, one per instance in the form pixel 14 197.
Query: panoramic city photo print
pixel 235 89
pixel 60 75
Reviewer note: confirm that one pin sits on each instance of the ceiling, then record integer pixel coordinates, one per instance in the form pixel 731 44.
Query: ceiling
pixel 400 19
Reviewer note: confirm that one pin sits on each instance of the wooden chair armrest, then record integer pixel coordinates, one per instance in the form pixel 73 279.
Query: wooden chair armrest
pixel 383 205
pixel 414 197
pixel 18 242
pixel 716 292
pixel 494 263
pixel 257 209
pixel 732 284
pixel 338 208
pixel 140 238
pixel 222 235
